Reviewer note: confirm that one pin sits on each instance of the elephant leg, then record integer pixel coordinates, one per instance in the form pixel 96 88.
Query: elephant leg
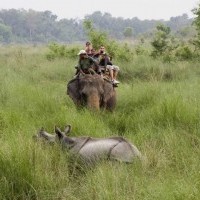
pixel 111 103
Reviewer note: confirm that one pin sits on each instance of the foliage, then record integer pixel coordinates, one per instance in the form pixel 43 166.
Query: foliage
pixel 140 48
pixel 144 68
pixel 179 21
pixel 161 40
pixel 168 47
pixel 98 38
pixel 196 11
pixel 196 22
pixel 160 116
pixel 5 33
pixel 128 32
pixel 61 51
pixel 184 52
pixel 115 26
pixel 186 33
pixel 29 26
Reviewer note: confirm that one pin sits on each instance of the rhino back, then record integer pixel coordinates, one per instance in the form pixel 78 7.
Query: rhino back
pixel 124 152
pixel 78 144
pixel 96 148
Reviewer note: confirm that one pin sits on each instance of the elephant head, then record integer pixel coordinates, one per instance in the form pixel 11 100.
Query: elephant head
pixel 92 91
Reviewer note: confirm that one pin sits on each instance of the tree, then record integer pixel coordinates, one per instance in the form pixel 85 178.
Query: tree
pixel 5 33
pixel 97 38
pixel 196 22
pixel 161 40
pixel 128 32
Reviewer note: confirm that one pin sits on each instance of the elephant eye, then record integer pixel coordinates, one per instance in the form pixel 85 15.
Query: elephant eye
pixel 84 97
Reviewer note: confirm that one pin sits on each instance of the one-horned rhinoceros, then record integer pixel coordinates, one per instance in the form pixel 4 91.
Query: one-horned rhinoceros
pixel 93 149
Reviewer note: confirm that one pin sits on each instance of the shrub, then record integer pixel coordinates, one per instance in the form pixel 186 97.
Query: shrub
pixel 61 51
pixel 184 53
pixel 140 50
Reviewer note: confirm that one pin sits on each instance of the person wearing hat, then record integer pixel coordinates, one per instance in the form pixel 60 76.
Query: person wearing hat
pixel 86 64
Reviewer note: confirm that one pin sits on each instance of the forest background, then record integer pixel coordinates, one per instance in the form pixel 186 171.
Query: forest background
pixel 158 107
pixel 29 26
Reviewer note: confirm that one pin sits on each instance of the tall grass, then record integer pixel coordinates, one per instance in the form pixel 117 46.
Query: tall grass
pixel 157 109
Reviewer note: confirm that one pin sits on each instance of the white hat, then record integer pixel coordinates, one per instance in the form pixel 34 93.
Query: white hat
pixel 81 52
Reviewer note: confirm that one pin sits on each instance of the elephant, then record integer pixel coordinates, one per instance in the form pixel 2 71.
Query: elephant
pixel 92 91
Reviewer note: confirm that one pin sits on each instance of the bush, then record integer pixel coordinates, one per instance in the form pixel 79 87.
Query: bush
pixel 140 50
pixel 61 51
pixel 184 53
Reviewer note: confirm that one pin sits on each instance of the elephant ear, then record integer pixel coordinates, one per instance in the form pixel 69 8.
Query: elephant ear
pixel 73 91
pixel 109 96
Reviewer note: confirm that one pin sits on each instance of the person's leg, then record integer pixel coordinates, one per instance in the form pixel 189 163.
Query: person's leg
pixel 111 74
pixel 91 71
pixel 115 73
pixel 110 69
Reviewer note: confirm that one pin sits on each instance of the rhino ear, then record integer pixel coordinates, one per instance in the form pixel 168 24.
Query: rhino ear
pixel 41 130
pixel 58 133
pixel 68 129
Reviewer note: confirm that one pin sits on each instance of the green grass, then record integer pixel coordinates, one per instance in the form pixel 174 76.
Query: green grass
pixel 157 109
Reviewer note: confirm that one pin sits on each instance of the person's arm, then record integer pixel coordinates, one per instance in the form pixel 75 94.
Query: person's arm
pixel 79 68
pixel 106 61
pixel 109 61
pixel 95 62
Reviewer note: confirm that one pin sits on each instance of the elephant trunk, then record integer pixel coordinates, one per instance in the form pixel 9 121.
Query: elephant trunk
pixel 93 102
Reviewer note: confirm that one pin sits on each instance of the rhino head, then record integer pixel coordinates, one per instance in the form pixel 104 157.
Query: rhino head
pixel 58 137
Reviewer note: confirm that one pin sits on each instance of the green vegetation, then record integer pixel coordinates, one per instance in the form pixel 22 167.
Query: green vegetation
pixel 29 26
pixel 157 109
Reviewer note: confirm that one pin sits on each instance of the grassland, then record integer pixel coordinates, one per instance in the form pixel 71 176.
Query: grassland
pixel 158 109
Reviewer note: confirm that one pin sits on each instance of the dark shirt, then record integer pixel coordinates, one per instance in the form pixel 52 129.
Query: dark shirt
pixel 86 63
pixel 104 61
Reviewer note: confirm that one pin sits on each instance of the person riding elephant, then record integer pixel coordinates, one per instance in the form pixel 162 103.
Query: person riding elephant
pixel 86 64
pixel 88 48
pixel 106 65
pixel 92 91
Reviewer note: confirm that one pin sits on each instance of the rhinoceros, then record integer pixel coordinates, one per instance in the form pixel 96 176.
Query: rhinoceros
pixel 93 149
